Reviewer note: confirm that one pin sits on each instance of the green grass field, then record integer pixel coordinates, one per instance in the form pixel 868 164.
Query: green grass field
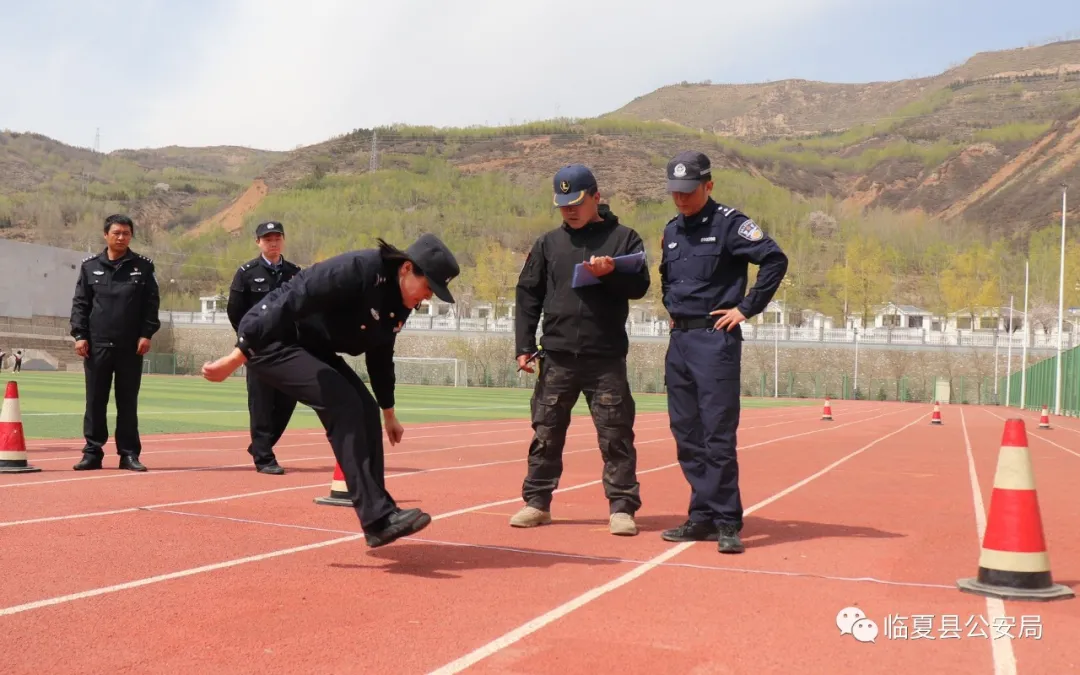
pixel 52 405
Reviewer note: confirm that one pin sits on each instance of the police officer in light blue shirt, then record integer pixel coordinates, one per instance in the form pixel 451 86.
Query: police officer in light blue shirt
pixel 703 276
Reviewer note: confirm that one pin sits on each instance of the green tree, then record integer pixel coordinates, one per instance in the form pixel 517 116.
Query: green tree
pixel 972 279
pixel 862 279
pixel 495 276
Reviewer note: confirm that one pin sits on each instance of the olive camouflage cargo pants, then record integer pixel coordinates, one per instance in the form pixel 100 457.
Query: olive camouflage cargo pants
pixel 561 380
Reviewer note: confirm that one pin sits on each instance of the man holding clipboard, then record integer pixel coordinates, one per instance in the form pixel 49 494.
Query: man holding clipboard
pixel 581 275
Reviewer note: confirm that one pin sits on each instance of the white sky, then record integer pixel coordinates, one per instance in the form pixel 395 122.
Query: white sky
pixel 275 75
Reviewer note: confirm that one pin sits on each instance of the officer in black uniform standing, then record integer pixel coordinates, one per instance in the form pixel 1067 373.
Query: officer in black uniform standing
pixel 703 275
pixel 114 315
pixel 584 347
pixel 354 303
pixel 269 409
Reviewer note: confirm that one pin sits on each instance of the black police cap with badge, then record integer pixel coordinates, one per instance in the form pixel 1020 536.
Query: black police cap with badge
pixel 269 227
pixel 687 170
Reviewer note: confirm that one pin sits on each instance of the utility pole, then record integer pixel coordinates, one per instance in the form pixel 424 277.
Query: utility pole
pixel 997 358
pixel 1008 359
pixel 1061 305
pixel 1023 367
pixel 373 162
pixel 775 356
pixel 855 393
pixel 97 140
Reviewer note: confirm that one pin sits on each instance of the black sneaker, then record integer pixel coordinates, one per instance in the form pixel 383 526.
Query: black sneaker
pixel 691 530
pixel 728 540
pixel 399 524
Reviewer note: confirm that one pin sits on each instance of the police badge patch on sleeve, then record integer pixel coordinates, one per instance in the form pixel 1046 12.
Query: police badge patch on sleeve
pixel 750 231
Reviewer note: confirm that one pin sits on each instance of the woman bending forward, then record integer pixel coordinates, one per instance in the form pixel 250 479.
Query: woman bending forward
pixel 354 303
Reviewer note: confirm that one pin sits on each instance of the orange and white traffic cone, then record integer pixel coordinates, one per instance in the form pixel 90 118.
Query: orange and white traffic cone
pixel 339 492
pixel 826 413
pixel 936 417
pixel 12 441
pixel 1014 563
pixel 1044 420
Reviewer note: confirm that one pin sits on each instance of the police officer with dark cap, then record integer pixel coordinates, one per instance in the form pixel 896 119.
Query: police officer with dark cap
pixel 354 303
pixel 703 275
pixel 584 347
pixel 269 409
pixel 114 315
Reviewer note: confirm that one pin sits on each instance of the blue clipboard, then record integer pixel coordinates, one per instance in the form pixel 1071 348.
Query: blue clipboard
pixel 626 264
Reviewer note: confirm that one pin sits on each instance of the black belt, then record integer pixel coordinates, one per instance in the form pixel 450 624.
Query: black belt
pixel 690 324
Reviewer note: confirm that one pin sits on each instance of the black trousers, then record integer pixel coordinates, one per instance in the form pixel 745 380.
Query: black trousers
pixel 100 367
pixel 702 370
pixel 270 411
pixel 348 412
pixel 562 378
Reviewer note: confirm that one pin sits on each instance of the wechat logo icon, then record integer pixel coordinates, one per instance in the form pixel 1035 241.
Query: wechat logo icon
pixel 852 621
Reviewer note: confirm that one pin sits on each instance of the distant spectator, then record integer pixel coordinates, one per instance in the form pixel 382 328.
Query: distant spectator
pixel 18 362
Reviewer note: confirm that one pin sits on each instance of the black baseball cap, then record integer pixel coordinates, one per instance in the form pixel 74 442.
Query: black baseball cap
pixel 437 264
pixel 571 184
pixel 268 227
pixel 687 170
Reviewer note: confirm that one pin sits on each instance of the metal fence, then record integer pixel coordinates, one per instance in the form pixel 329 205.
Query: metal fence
pixel 753 332
pixel 449 372
pixel 1039 386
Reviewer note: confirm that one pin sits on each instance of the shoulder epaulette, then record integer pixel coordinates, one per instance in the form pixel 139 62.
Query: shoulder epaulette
pixel 89 258
pixel 140 255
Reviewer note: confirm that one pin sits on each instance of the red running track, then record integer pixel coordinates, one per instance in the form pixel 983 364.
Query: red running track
pixel 232 571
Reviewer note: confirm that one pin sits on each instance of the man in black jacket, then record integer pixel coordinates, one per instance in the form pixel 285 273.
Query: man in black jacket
pixel 114 314
pixel 584 346
pixel 353 303
pixel 269 409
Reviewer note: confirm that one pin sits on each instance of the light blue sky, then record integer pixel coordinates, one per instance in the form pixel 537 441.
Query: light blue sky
pixel 280 74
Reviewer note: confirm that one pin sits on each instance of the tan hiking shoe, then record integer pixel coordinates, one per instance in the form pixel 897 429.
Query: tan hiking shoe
pixel 622 524
pixel 530 516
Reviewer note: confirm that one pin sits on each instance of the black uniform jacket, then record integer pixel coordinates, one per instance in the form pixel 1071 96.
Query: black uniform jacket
pixel 116 301
pixel 252 282
pixel 704 261
pixel 348 304
pixel 590 320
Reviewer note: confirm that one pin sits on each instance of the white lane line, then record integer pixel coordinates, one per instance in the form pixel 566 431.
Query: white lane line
pixel 575 556
pixel 1001 648
pixel 580 601
pixel 159 472
pixel 129 474
pixel 209 500
pixel 265 556
pixel 38 604
pixel 1040 436
pixel 299 411
pixel 151 441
